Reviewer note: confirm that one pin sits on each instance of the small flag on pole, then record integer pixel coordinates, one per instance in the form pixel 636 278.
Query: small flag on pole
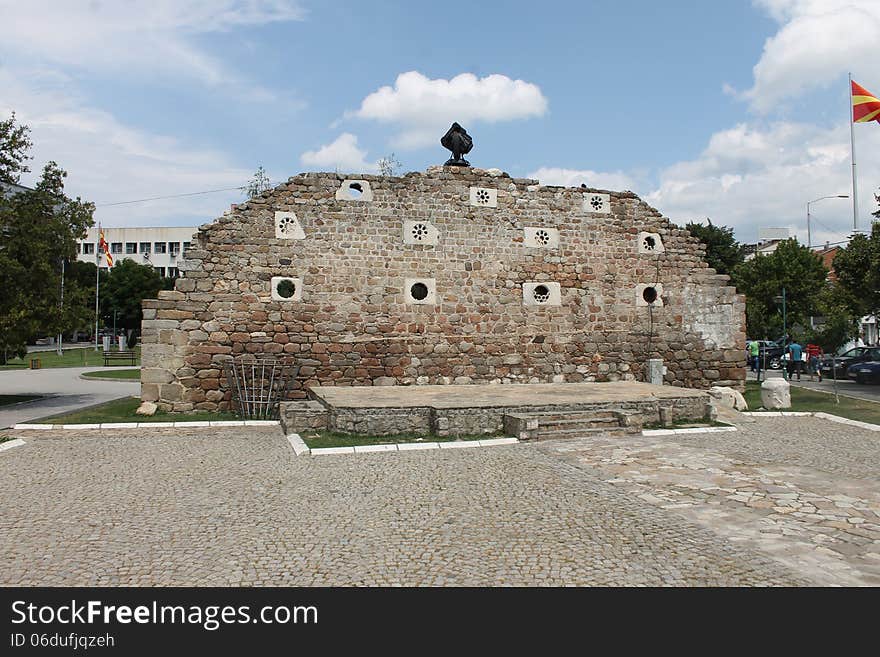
pixel 103 246
pixel 866 106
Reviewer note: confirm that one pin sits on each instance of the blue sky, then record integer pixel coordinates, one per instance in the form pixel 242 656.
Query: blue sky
pixel 732 110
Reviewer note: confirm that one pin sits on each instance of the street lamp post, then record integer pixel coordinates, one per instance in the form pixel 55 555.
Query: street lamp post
pixel 809 236
pixel 781 299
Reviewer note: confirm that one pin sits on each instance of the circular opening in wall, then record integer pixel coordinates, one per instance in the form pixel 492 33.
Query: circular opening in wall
pixel 355 190
pixel 650 243
pixel 286 225
pixel 483 196
pixel 420 232
pixel 286 289
pixel 418 291
pixel 649 294
pixel 541 293
pixel 542 237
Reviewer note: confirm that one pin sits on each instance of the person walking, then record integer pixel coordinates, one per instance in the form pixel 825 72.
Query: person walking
pixel 754 349
pixel 814 356
pixel 795 353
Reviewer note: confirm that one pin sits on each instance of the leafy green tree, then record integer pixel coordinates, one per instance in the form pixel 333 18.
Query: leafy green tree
pixel 793 267
pixel 839 323
pixel 126 286
pixel 40 228
pixel 14 147
pixel 858 272
pixel 723 252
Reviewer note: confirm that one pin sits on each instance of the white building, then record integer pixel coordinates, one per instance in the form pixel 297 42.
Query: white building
pixel 161 248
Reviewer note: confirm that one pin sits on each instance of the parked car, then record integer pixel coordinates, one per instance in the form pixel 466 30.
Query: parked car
pixel 841 363
pixel 771 353
pixel 865 372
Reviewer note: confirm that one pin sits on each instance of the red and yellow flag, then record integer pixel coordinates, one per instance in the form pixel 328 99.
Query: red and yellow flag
pixel 866 106
pixel 103 246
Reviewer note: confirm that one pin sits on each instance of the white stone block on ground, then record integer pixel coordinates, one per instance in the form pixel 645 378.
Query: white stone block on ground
pixel 776 394
pixel 366 449
pixel 9 444
pixel 407 447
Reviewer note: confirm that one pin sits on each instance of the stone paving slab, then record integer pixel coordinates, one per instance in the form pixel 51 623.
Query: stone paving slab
pixel 235 506
pixel 804 490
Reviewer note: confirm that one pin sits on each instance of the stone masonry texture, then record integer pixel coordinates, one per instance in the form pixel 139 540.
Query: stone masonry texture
pixel 353 321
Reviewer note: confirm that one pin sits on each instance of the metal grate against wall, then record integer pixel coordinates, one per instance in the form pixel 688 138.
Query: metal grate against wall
pixel 258 384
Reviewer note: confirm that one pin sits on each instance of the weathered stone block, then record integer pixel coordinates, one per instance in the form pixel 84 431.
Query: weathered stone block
pixel 776 394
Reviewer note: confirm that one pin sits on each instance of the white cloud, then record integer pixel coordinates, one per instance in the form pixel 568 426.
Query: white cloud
pixel 817 43
pixel 425 108
pixel 108 161
pixel 749 178
pixel 342 154
pixel 137 35
pixel 616 180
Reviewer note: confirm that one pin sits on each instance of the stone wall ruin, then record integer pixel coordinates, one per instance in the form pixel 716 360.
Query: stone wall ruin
pixel 452 276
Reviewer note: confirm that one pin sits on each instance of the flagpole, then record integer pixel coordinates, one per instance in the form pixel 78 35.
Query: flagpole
pixel 97 286
pixel 852 141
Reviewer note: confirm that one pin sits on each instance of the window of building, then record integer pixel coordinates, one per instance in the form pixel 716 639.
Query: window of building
pixel 78 248
pixel 116 247
pixel 161 271
pixel 159 247
pixel 185 247
pixel 173 272
pixel 131 247
pixel 145 247
pixel 88 248
pixel 174 247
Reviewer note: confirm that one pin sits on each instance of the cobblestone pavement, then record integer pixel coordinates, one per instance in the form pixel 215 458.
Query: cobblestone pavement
pixel 805 491
pixel 234 506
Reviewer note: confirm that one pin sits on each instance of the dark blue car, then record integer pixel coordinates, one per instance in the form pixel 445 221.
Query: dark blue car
pixel 867 372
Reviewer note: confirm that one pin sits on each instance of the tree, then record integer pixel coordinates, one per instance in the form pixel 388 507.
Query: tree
pixel 40 228
pixel 389 165
pixel 793 267
pixel 839 324
pixel 723 252
pixel 14 147
pixel 858 272
pixel 127 284
pixel 258 184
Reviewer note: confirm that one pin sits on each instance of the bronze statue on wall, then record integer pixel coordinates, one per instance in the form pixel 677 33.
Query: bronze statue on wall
pixel 459 142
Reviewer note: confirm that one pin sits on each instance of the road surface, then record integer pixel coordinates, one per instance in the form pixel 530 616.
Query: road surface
pixel 63 389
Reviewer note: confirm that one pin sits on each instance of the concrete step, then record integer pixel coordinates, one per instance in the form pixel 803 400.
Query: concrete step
pixel 578 432
pixel 583 421
pixel 549 425
pixel 297 416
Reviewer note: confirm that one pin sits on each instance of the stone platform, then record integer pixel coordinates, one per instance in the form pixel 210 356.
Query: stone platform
pixel 525 411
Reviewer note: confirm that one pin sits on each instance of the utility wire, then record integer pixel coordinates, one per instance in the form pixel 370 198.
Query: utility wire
pixel 159 198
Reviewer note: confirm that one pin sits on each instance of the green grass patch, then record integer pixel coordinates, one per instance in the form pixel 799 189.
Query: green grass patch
pixel 803 399
pixel 4 437
pixel 123 410
pixel 113 374
pixel 6 400
pixel 317 439
pixel 79 357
